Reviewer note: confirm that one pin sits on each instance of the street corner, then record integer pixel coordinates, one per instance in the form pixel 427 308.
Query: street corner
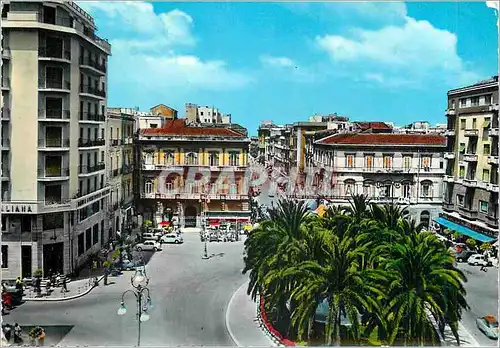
pixel 77 289
pixel 53 335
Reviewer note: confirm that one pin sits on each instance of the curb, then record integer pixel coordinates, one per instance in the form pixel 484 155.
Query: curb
pixel 277 342
pixel 228 326
pixel 57 299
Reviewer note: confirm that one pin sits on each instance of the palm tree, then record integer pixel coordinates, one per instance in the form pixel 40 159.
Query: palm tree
pixel 389 214
pixel 359 206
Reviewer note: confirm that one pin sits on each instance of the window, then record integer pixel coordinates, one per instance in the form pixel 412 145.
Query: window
pixel 369 161
pixel 349 188
pixel 474 101
pixel 462 124
pixel 233 159
pixel 426 189
pixel 461 148
pixel 169 158
pixel 88 239
pixel 368 189
pixel 95 234
pixel 5 256
pixel 213 159
pixel 486 149
pixel 349 161
pixel 426 162
pixel 474 123
pixel 191 158
pixel 487 99
pixel 463 102
pixel 486 175
pixel 406 190
pixel 148 187
pixel 483 206
pixel 407 162
pixel 387 161
pixel 81 244
pixel 460 200
pixel 461 172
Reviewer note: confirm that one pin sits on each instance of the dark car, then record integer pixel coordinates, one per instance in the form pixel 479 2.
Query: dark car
pixel 213 238
pixel 464 255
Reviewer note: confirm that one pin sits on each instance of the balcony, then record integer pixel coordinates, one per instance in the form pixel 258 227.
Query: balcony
pixel 91 142
pixel 195 196
pixel 493 160
pixel 54 144
pixel 5 114
pixel 450 112
pixel 6 53
pixel 92 65
pixel 493 107
pixel 115 142
pixel 53 173
pixel 51 53
pixel 57 115
pixel 91 169
pixel 449 132
pixel 469 182
pixel 449 155
pixel 448 206
pixel 91 117
pixel 493 187
pixel 493 132
pixel 54 85
pixel 448 178
pixel 468 212
pixel 469 157
pixel 492 219
pixel 471 132
pixel 5 83
pixel 127 169
pixel 92 91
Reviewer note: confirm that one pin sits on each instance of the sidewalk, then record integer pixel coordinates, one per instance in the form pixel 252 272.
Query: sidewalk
pixel 76 288
pixel 466 339
pixel 242 323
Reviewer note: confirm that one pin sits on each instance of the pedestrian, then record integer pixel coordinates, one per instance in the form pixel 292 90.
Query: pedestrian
pixel 64 284
pixel 38 285
pixel 7 330
pixel 41 336
pixel 19 284
pixel 483 268
pixel 17 333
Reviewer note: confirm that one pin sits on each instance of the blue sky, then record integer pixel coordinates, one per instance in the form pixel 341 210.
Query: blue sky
pixel 287 61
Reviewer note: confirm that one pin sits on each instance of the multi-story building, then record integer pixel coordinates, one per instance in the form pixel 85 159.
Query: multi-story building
pixel 471 192
pixel 120 163
pixel 196 172
pixel 278 149
pixel 54 190
pixel 163 110
pixel 205 114
pixel 421 127
pixel 263 134
pixel 405 169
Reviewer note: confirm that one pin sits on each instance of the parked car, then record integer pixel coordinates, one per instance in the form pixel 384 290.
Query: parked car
pixel 232 237
pixel 488 325
pixel 128 265
pixel 213 237
pixel 150 236
pixel 464 255
pixel 173 238
pixel 478 260
pixel 148 245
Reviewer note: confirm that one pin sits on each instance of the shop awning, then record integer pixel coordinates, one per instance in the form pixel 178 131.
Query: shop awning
pixel 464 230
pixel 219 219
pixel 164 223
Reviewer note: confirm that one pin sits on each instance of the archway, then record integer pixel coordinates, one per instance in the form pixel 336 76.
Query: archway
pixel 190 216
pixel 425 218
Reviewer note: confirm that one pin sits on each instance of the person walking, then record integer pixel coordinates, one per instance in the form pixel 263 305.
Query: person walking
pixel 64 286
pixel 17 334
pixel 7 331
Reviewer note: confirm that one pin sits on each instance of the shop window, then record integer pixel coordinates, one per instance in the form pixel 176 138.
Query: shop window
pixel 81 244
pixel 5 256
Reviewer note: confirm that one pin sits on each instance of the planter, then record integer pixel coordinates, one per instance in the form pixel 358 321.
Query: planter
pixel 275 334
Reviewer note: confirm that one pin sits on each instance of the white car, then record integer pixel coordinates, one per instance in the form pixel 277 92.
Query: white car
pixel 477 260
pixel 150 236
pixel 148 245
pixel 172 238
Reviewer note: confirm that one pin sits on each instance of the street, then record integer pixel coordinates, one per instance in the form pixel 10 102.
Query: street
pixel 482 297
pixel 189 295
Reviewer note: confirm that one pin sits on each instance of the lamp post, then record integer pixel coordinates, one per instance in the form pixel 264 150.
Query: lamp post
pixel 204 199
pixel 392 185
pixel 140 282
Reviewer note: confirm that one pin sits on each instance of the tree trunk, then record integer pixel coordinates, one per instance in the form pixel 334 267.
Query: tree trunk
pixel 337 329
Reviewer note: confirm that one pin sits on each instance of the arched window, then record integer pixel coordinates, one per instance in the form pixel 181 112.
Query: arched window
pixel 425 218
pixel 369 188
pixel 148 158
pixel 426 189
pixel 148 186
pixel 191 158
pixel 169 158
pixel 349 187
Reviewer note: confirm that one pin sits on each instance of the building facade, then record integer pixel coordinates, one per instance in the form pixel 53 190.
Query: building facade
pixel 195 172
pixel 54 190
pixel 120 163
pixel 205 114
pixel 404 169
pixel 471 190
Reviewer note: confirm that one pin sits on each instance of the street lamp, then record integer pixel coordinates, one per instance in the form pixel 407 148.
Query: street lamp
pixel 204 199
pixel 140 282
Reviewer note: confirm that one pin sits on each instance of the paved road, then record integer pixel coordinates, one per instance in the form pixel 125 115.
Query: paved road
pixel 482 296
pixel 190 297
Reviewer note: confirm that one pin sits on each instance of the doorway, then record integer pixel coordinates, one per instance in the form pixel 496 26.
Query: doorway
pixel 26 261
pixel 190 216
pixel 53 258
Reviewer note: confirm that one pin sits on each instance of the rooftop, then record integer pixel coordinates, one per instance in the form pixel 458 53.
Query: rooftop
pixel 383 139
pixel 373 125
pixel 179 128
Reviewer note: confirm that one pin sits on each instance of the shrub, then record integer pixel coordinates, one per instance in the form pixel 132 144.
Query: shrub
pixel 471 243
pixel 38 273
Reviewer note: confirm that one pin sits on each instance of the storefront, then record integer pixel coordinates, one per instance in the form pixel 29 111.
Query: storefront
pixel 466 228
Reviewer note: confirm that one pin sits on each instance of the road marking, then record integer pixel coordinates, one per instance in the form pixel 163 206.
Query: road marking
pixel 229 305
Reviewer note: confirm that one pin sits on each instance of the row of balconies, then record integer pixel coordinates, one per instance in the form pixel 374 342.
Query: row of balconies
pixel 88 169
pixel 53 143
pixel 54 52
pixel 86 61
pixel 53 173
pixel 82 142
pixel 93 90
pixel 54 83
pixel 176 167
pixel 490 218
pixel 395 170
pixel 472 132
pixel 197 196
pixel 91 116
pixel 59 114
pixel 491 186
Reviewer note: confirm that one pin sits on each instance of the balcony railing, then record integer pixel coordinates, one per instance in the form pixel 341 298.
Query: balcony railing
pixel 115 142
pixel 493 132
pixel 449 132
pixel 469 157
pixel 449 206
pixel 468 212
pixel 49 52
pixel 53 142
pixel 91 168
pixel 5 114
pixel 450 112
pixel 56 114
pixel 493 160
pixel 5 82
pixel 86 61
pixel 90 142
pixel 471 132
pixel 449 155
pixel 92 90
pixel 469 182
pixel 90 116
pixel 55 172
pixel 54 84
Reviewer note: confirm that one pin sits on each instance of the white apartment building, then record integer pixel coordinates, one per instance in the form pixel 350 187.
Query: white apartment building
pixel 405 169
pixel 206 114
pixel 53 189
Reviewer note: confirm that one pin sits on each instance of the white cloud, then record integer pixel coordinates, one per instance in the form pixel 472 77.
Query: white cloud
pixel 277 61
pixel 145 48
pixel 416 50
pixel 495 5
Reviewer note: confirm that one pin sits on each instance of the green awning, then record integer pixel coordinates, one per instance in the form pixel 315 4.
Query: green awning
pixel 486 124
